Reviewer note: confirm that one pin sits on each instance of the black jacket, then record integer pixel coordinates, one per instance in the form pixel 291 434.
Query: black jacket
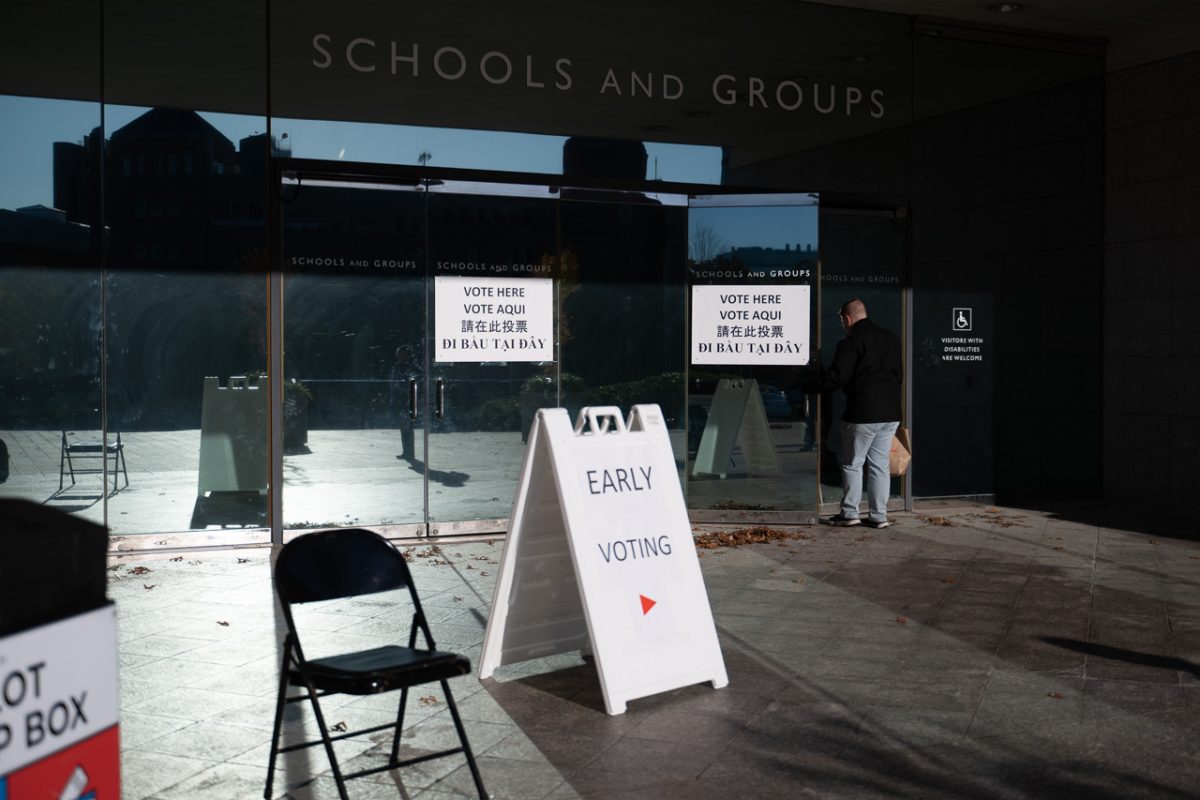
pixel 867 366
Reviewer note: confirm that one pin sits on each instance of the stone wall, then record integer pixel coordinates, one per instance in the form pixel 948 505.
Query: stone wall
pixel 1151 451
pixel 1007 216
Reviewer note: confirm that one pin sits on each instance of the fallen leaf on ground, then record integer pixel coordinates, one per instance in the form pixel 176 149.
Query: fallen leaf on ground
pixel 1060 547
pixel 243 561
pixel 339 727
pixel 902 620
pixel 1154 541
pixel 743 536
pixel 149 585
pixel 429 700
pixel 945 523
pixel 458 599
pixel 1054 695
pixel 139 571
pixel 949 580
pixel 1003 522
pixel 177 558
pixel 223 623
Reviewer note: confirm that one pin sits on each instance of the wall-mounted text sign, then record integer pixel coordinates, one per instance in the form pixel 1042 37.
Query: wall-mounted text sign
pixel 493 319
pixel 746 324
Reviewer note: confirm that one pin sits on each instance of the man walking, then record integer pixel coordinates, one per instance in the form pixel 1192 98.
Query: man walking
pixel 867 367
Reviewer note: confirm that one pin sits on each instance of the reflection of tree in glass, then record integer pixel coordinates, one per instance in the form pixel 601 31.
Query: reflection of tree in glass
pixel 705 244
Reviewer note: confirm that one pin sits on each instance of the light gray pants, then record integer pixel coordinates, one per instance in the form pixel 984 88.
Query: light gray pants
pixel 869 443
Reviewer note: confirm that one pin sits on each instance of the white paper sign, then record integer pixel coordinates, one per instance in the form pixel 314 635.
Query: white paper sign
pixel 493 319
pixel 750 324
pixel 600 552
pixel 58 686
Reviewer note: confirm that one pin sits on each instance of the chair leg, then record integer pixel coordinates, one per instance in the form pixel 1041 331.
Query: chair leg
pixel 462 737
pixel 124 466
pixel 399 725
pixel 65 464
pixel 337 771
pixel 280 703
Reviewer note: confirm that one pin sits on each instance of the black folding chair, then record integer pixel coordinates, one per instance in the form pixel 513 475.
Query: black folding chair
pixel 75 450
pixel 347 563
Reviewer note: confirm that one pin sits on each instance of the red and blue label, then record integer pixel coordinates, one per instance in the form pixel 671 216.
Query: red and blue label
pixel 88 770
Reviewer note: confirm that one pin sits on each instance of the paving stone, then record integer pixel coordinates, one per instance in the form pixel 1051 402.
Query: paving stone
pixel 969 660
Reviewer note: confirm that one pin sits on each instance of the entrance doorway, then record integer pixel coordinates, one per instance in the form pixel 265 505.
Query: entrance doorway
pixel 425 315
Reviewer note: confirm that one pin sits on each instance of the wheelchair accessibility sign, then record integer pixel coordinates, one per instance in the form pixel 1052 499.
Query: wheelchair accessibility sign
pixel 962 319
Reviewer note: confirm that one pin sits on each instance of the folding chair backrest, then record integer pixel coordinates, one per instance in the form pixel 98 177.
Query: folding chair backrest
pixel 338 563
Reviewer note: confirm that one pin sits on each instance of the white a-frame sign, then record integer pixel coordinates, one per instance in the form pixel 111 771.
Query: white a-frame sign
pixel 600 557
pixel 737 416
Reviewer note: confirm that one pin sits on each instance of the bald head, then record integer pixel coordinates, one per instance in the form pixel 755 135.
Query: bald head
pixel 853 311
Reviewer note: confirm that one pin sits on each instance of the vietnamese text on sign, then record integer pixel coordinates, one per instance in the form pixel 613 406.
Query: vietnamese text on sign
pixel 750 324
pixel 493 319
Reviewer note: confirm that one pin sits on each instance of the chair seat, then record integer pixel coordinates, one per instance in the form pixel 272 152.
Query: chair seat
pixel 93 447
pixel 382 669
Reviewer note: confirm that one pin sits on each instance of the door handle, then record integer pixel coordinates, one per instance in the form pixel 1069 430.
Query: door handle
pixel 441 399
pixel 412 398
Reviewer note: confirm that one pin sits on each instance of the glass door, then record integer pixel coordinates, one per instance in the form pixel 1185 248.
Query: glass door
pixel 492 344
pixel 354 376
pixel 426 319
pixel 752 432
pixel 864 252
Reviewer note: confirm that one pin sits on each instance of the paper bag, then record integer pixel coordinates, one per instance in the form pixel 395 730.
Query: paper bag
pixel 901 453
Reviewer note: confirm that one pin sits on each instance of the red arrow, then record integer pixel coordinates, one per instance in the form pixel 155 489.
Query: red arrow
pixel 647 604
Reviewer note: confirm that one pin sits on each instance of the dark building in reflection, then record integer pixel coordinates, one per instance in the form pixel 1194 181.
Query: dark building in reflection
pixel 179 195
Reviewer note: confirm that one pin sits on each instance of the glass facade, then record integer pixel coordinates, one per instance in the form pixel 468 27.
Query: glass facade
pixel 51 298
pixel 178 234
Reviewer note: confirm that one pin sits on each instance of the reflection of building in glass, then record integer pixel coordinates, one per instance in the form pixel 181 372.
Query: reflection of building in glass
pixel 178 193
pixel 41 235
pixel 763 259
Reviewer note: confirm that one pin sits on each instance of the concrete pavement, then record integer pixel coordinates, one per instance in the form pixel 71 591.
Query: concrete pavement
pixel 967 651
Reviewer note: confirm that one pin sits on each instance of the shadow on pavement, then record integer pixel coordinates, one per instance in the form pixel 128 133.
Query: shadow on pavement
pixel 1170 663
pixel 451 479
